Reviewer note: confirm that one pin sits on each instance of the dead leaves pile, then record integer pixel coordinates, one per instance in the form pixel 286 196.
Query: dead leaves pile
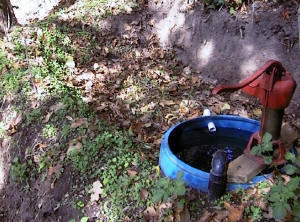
pixel 143 88
pixel 230 213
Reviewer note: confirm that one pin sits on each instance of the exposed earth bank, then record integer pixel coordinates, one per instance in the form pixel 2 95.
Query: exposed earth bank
pixel 228 48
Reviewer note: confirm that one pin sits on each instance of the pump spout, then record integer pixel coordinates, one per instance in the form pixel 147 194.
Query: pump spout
pixel 218 175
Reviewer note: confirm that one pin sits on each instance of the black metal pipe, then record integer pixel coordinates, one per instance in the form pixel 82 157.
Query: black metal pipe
pixel 218 175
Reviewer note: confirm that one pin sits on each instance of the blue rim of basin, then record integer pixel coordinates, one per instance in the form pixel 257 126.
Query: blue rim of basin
pixel 171 165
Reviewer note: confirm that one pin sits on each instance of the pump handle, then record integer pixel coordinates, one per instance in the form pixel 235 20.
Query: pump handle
pixel 268 66
pixel 271 83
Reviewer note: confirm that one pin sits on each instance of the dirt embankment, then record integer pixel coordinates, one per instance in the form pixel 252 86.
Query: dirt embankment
pixel 229 48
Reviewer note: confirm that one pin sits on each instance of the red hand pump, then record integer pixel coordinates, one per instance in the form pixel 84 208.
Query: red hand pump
pixel 274 87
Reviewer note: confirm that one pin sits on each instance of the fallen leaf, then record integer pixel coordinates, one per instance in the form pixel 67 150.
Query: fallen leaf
pixel 144 194
pixel 79 122
pixel 183 215
pixel 34 104
pixel 150 214
pixel 269 214
pixel 235 213
pixel 167 103
pixel 54 170
pixel 41 146
pixel 225 106
pixel 56 107
pixel 74 146
pixel 18 119
pixel 221 215
pixel 183 110
pixel 12 127
pixel 206 217
pixel 16 65
pixel 70 62
pixel 47 117
pixel 102 107
pixel 5 144
pixel 132 173
pixel 285 14
pixel 84 219
pixel 167 205
pixel 257 112
pixel 69 118
pixel 157 141
pixel 146 125
pixel 96 191
pixel 286 178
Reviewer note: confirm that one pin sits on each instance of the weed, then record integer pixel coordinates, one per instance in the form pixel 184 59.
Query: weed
pixel 264 149
pixel 262 185
pixel 18 170
pixel 3 60
pixel 232 5
pixel 11 82
pixel 49 131
pixel 65 131
pixel 284 198
pixel 254 212
pixel 33 117
pixel 43 164
pixel 166 188
pixel 19 49
pixel 77 204
pixel 293 163
pixel 220 202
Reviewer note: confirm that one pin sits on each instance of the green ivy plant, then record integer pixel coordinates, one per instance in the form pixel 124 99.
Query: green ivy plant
pixel 264 148
pixel 294 162
pixel 166 188
pixel 285 198
pixel 282 197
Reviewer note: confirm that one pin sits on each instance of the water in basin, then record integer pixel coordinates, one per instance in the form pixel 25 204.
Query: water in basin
pixel 195 146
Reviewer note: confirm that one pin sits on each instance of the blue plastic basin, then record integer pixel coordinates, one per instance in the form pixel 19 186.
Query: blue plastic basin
pixel 236 127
